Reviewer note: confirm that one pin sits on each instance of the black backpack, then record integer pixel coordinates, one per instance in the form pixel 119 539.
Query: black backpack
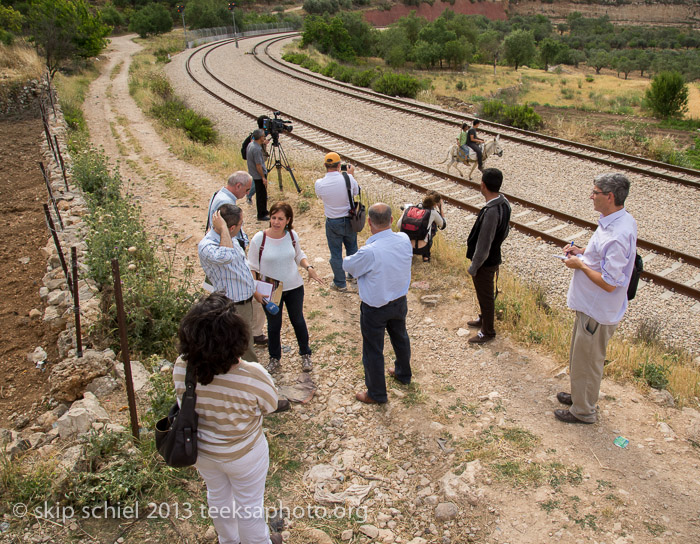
pixel 634 279
pixel 415 222
pixel 244 146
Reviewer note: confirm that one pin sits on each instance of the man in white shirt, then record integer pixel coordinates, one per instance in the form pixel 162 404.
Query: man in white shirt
pixel 383 271
pixel 332 190
pixel 598 294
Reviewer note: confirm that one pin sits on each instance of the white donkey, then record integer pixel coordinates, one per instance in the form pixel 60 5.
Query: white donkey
pixel 456 156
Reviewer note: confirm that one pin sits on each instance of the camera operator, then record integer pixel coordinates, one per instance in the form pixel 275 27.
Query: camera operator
pixel 256 168
pixel 261 124
pixel 333 191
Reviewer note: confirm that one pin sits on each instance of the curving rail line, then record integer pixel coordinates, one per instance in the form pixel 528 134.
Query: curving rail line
pixel 381 163
pixel 632 163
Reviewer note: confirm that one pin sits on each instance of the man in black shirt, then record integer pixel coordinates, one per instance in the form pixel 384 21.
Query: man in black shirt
pixel 484 249
pixel 473 142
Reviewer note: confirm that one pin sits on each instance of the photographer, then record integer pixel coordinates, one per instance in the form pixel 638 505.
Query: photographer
pixel 333 191
pixel 257 170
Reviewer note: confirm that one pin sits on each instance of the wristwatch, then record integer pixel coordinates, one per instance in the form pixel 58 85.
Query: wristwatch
pixel 310 266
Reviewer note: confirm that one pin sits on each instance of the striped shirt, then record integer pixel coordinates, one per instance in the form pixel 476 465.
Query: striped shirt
pixel 226 267
pixel 230 408
pixel 221 197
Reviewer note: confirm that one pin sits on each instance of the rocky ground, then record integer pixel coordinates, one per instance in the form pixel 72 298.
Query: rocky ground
pixel 470 452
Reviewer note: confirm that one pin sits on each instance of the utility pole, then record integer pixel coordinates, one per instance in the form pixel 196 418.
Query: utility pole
pixel 181 11
pixel 232 5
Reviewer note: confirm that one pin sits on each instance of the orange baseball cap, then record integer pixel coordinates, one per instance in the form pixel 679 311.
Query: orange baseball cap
pixel 331 158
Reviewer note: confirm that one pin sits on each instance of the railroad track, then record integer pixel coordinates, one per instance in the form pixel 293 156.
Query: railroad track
pixel 640 165
pixel 530 218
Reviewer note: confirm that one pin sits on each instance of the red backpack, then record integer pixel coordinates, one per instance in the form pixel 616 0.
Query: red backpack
pixel 415 222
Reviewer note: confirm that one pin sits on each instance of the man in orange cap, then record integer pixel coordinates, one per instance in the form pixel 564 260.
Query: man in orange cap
pixel 333 190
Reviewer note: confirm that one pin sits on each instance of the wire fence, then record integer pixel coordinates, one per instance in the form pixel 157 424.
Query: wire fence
pixel 206 35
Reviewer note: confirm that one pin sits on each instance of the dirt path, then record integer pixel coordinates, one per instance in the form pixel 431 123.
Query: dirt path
pixel 542 481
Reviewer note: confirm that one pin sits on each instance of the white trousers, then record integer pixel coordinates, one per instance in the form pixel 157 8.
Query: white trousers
pixel 236 494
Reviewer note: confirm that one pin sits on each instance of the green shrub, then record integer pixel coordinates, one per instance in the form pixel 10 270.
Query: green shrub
pixel 460 86
pixel 654 375
pixel 151 19
pixel 590 79
pixel 329 69
pixel 520 116
pixel 364 78
pixel 668 95
pixel 91 172
pixel 174 113
pixel 310 64
pixel 392 84
pixel 160 85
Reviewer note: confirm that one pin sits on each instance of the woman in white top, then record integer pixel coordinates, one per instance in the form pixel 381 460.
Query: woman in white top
pixel 232 397
pixel 276 253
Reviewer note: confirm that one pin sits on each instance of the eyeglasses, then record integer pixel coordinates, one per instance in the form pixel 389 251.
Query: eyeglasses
pixel 593 193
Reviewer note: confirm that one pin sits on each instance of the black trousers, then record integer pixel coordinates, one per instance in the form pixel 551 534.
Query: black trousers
pixel 260 198
pixel 479 153
pixel 373 322
pixel 485 294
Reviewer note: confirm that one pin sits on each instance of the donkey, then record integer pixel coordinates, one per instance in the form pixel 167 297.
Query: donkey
pixel 456 156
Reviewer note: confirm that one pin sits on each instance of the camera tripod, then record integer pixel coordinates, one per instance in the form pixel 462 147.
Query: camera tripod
pixel 278 159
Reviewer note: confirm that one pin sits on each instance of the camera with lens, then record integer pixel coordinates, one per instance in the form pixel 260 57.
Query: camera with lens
pixel 343 167
pixel 276 126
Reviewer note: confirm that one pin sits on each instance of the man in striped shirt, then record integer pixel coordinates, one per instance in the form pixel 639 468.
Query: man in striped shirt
pixel 226 266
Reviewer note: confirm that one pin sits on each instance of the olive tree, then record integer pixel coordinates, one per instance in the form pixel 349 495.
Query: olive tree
pixel 63 29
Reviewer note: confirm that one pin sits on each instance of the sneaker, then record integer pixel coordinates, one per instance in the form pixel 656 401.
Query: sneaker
pixel 343 289
pixel 306 365
pixel 475 323
pixel 352 279
pixel 273 365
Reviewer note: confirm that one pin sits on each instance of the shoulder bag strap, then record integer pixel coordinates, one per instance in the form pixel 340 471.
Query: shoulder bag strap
pixel 206 228
pixel 347 185
pixel 190 383
pixel 262 246
pixel 294 243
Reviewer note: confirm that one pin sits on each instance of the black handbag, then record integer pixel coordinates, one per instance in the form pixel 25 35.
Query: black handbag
pixel 176 434
pixel 357 209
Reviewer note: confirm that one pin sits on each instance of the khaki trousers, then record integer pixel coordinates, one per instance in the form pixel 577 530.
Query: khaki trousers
pixel 586 360
pixel 259 319
pixel 246 313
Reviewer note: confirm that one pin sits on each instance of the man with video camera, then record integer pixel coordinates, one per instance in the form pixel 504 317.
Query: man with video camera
pixel 256 168
pixel 333 191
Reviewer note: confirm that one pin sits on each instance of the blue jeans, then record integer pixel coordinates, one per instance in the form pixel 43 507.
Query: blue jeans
pixel 373 322
pixel 250 194
pixel 294 300
pixel 339 233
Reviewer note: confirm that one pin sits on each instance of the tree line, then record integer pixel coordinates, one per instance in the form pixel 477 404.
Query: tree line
pixel 454 40
pixel 63 29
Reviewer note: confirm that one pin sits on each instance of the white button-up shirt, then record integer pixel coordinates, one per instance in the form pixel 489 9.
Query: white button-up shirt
pixel 610 251
pixel 382 267
pixel 333 191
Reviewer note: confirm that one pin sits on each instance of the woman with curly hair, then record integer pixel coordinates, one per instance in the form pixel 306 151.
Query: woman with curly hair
pixel 432 203
pixel 276 253
pixel 232 397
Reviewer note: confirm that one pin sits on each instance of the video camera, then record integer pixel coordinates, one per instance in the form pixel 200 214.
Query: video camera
pixel 274 127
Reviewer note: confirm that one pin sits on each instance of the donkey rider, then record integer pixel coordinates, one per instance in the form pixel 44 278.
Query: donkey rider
pixel 469 139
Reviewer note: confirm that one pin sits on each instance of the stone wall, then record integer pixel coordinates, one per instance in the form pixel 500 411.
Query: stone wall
pixel 493 10
pixel 637 13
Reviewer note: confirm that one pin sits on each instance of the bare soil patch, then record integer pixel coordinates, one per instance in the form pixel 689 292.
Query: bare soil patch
pixel 23 231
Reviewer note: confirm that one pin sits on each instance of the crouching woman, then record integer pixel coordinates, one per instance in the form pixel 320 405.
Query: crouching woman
pixel 232 397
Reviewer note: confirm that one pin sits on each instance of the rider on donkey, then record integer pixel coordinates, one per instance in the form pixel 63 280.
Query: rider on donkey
pixel 472 141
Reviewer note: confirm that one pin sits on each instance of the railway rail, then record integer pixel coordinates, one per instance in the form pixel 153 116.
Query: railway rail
pixel 667 172
pixel 455 190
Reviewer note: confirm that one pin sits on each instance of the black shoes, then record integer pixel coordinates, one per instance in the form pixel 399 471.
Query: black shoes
pixel 476 323
pixel 564 398
pixel 568 417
